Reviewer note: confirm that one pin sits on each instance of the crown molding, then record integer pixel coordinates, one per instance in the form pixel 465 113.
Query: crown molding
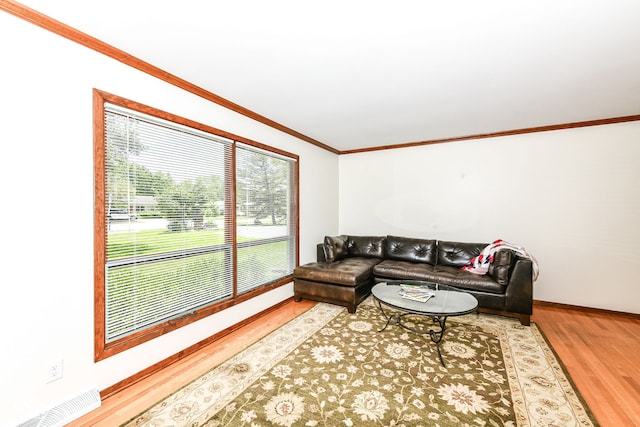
pixel 502 133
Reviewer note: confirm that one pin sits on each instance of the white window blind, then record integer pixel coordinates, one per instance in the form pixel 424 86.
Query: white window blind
pixel 169 251
pixel 266 221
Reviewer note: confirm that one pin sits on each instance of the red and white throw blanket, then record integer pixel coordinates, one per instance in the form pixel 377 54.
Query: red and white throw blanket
pixel 480 264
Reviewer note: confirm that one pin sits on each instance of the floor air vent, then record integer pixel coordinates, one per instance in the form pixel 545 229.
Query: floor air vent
pixel 67 411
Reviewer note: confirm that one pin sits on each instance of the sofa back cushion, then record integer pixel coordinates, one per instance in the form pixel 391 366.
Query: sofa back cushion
pixel 412 250
pixel 458 254
pixel 366 246
pixel 335 248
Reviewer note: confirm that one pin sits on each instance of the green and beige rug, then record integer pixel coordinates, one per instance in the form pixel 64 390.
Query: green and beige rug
pixel 331 368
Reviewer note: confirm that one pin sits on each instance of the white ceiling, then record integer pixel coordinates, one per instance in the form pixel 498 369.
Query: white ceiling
pixel 365 73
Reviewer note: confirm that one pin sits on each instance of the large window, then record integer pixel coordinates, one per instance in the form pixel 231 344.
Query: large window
pixel 189 220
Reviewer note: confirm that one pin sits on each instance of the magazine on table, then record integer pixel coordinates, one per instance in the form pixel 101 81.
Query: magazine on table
pixel 415 292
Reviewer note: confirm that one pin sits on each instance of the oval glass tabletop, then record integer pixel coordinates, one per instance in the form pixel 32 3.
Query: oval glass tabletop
pixel 441 300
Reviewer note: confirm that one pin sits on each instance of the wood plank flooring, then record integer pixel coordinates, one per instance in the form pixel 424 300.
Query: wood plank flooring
pixel 601 352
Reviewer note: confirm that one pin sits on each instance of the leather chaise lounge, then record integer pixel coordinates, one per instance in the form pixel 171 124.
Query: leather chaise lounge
pixel 347 267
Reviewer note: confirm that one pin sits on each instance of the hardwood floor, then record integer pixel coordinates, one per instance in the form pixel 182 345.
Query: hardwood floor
pixel 601 352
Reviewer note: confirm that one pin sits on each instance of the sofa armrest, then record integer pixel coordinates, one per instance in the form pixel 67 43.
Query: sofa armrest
pixel 320 257
pixel 519 291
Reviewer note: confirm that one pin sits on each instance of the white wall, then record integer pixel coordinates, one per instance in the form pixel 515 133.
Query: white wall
pixel 46 182
pixel 570 197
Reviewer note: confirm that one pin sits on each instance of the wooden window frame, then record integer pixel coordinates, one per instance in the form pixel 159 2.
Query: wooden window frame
pixel 102 349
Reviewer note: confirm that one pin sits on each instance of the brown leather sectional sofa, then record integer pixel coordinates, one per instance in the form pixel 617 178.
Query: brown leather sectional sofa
pixel 347 267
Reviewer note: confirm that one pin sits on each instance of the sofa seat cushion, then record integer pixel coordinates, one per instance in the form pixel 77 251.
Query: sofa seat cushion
pixel 403 270
pixel 446 275
pixel 350 271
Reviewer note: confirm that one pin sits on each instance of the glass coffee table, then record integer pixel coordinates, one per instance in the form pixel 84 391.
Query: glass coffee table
pixel 443 301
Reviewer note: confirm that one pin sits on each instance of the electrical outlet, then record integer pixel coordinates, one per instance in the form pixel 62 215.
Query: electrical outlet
pixel 54 370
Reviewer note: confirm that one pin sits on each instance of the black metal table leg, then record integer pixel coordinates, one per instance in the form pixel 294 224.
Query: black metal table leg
pixel 436 336
pixel 386 316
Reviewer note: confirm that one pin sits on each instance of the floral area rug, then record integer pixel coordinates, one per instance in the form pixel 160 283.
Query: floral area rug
pixel 331 368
